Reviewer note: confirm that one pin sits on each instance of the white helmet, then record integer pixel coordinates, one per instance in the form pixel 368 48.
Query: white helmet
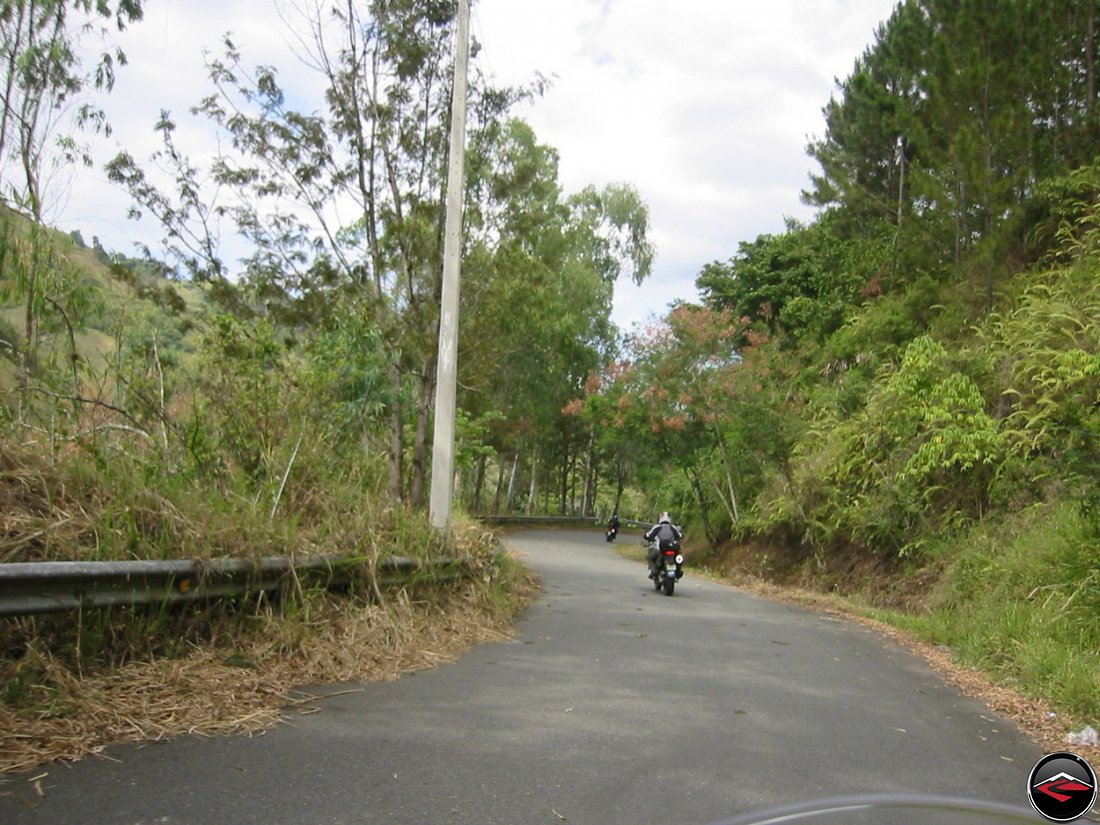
pixel 664 518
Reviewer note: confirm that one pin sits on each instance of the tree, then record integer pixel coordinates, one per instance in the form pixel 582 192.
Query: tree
pixel 797 284
pixel 537 300
pixel 873 132
pixel 952 117
pixel 378 151
pixel 686 412
pixel 347 205
pixel 41 76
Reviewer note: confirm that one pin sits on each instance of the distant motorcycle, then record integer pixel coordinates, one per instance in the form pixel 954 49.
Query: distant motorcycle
pixel 670 569
pixel 612 531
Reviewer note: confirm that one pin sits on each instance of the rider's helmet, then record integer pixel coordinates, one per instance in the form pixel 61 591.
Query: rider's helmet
pixel 664 519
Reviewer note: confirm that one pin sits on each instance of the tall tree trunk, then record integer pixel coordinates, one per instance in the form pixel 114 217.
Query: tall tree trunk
pixel 725 502
pixel 728 468
pixel 479 478
pixel 620 482
pixel 1090 64
pixel 568 503
pixel 396 447
pixel 510 501
pixel 11 74
pixel 588 499
pixel 500 483
pixel 1091 131
pixel 960 216
pixel 563 483
pixel 700 499
pixel 418 470
pixel 531 502
pixel 901 179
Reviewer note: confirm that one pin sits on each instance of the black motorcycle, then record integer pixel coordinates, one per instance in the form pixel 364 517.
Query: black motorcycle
pixel 612 531
pixel 670 569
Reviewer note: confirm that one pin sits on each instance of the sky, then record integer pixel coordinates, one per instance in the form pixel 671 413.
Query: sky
pixel 704 106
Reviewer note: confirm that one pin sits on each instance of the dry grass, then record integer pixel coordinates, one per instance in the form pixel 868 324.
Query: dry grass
pixel 50 511
pixel 34 507
pixel 253 682
pixel 71 686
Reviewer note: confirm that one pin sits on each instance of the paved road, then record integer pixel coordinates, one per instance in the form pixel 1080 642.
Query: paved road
pixel 614 704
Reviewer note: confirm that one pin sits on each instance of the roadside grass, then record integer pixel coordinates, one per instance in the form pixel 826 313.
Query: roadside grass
pixel 74 506
pixel 241 666
pixel 1021 602
pixel 73 684
pixel 84 504
pixel 243 674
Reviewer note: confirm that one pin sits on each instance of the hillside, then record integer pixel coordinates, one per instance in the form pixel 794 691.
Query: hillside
pixel 92 304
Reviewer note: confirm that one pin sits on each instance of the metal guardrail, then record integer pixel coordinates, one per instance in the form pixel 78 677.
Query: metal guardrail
pixel 28 588
pixel 629 522
pixel 520 519
pixel 504 519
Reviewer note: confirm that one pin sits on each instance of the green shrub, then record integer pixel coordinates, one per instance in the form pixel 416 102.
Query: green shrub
pixel 916 459
pixel 1021 601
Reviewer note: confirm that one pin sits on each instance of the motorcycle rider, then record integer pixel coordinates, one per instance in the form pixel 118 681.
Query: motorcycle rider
pixel 664 535
pixel 613 524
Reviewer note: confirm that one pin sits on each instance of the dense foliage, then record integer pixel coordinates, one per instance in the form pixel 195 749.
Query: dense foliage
pixel 912 379
pixel 315 359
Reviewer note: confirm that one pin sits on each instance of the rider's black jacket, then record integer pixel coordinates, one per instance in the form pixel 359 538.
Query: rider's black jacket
pixel 666 534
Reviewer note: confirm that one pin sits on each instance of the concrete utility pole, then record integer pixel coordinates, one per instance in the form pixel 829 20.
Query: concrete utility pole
pixel 443 444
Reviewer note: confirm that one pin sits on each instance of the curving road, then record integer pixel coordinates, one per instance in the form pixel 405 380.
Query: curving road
pixel 614 704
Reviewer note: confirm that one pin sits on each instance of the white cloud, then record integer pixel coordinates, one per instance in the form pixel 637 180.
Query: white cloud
pixel 706 106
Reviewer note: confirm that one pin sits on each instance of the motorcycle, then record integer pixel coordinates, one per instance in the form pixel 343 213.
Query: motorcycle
pixel 670 569
pixel 611 533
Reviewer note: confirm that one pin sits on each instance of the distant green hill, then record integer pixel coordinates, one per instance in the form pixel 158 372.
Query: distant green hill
pixel 91 301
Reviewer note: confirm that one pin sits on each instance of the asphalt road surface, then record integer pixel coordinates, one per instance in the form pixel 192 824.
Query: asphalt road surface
pixel 614 704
